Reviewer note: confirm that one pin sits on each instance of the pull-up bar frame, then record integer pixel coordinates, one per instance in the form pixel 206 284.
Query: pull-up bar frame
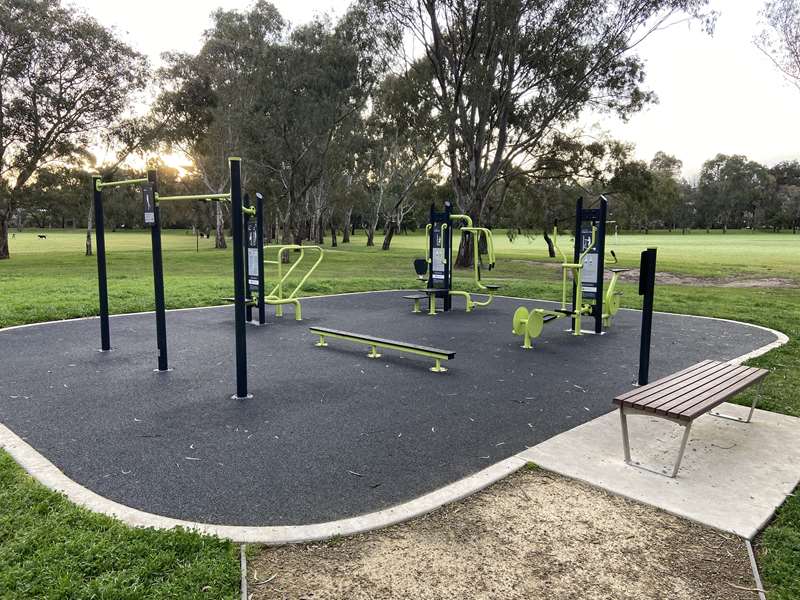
pixel 237 213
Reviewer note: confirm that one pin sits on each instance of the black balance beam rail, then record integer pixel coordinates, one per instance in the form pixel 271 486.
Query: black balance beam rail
pixel 647 284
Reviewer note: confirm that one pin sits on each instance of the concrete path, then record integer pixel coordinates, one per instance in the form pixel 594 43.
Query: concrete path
pixel 732 478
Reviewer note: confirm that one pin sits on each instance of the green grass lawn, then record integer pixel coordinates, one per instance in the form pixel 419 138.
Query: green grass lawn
pixel 52 549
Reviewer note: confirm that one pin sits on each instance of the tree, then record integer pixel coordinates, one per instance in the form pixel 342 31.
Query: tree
pixel 731 190
pixel 787 192
pixel 634 184
pixel 780 37
pixel 63 77
pixel 668 191
pixel 211 96
pixel 506 76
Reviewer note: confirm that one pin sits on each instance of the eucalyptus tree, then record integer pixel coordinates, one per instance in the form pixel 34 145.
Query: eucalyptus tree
pixel 312 89
pixel 787 192
pixel 508 76
pixel 63 78
pixel 780 37
pixel 405 145
pixel 210 97
pixel 731 188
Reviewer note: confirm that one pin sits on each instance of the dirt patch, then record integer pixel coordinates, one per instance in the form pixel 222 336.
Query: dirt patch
pixel 532 535
pixel 667 278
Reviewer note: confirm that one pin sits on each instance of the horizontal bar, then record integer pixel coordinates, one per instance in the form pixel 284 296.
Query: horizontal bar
pixel 208 197
pixel 104 184
pixel 366 342
pixel 249 210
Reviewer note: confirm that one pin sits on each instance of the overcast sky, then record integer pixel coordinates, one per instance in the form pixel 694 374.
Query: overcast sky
pixel 716 94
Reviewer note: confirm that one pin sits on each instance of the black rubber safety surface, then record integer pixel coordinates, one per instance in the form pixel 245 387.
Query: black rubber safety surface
pixel 329 432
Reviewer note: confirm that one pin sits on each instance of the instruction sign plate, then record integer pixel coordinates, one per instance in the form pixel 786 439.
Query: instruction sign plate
pixel 148 198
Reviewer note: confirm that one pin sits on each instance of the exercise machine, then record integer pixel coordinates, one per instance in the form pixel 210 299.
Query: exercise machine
pixel 581 280
pixel 277 296
pixel 437 267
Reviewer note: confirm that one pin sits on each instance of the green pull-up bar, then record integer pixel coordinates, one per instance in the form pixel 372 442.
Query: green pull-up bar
pixel 100 184
pixel 206 197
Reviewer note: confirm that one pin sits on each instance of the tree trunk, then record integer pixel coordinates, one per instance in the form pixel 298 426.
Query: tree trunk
pixel 89 232
pixel 219 241
pixel 390 231
pixel 320 232
pixel 370 235
pixel 551 249
pixel 465 251
pixel 346 225
pixel 333 234
pixel 4 253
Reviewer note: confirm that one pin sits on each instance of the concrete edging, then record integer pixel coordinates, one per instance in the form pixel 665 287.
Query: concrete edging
pixel 46 473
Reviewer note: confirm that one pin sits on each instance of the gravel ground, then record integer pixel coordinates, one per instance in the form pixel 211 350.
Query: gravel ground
pixel 532 535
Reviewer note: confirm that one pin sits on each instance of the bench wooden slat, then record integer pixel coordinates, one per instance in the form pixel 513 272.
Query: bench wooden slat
pixel 659 382
pixel 692 389
pixel 381 341
pixel 680 385
pixel 689 413
pixel 727 386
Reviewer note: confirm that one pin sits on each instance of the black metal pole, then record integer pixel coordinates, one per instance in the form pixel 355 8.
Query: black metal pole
pixel 447 249
pixel 647 282
pixel 158 279
pixel 238 278
pixel 601 266
pixel 577 294
pixel 262 306
pixel 248 294
pixel 102 281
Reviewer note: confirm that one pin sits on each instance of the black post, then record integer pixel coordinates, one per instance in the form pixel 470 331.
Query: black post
pixel 647 282
pixel 601 265
pixel 447 248
pixel 102 281
pixel 576 293
pixel 238 278
pixel 262 306
pixel 158 278
pixel 248 294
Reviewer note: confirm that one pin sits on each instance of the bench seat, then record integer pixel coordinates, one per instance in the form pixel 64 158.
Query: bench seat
pixel 686 395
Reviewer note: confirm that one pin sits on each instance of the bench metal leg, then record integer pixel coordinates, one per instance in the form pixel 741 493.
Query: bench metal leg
pixel 373 353
pixel 687 430
pixel 431 304
pixel 626 444
pixel 321 343
pixel 416 308
pixel 756 398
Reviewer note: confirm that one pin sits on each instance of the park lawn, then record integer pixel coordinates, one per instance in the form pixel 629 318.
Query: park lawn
pixel 50 548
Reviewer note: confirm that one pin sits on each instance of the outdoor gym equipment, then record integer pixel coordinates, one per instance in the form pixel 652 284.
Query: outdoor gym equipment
pixel 437 354
pixel 240 215
pixel 276 297
pixel 437 266
pixel 586 271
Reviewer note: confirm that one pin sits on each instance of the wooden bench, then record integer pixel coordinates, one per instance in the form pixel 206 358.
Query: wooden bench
pixel 375 342
pixel 686 395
